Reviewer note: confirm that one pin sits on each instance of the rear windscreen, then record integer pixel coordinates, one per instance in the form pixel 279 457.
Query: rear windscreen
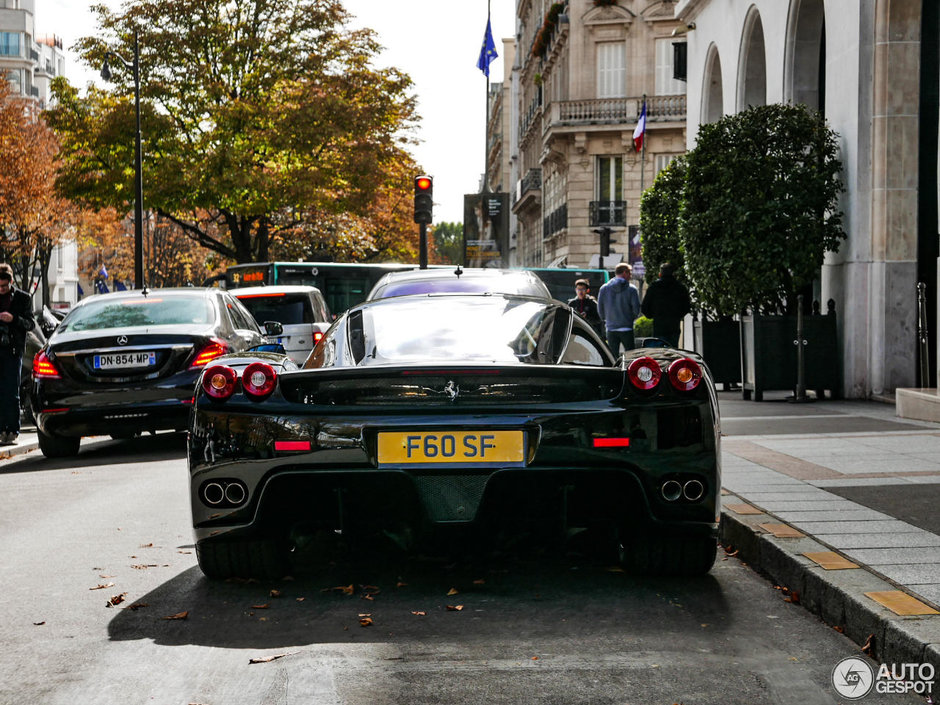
pixel 287 309
pixel 106 312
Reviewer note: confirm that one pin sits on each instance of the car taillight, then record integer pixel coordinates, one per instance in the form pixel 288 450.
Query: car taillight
pixel 644 373
pixel 45 368
pixel 317 337
pixel 209 352
pixel 219 382
pixel 685 374
pixel 258 380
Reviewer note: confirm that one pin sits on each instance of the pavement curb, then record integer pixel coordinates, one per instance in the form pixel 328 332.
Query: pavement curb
pixel 7 452
pixel 837 597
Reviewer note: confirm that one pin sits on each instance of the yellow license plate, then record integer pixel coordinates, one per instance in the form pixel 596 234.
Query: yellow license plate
pixel 466 447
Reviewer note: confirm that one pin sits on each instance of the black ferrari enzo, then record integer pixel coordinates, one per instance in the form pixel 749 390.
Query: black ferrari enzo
pixel 482 413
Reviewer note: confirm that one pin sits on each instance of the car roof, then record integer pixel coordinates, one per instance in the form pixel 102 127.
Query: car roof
pixel 461 274
pixel 279 289
pixel 139 293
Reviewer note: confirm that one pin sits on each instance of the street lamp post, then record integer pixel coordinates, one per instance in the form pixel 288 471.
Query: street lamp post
pixel 138 161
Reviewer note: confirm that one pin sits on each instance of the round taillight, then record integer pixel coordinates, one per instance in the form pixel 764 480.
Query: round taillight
pixel 258 379
pixel 644 373
pixel 685 374
pixel 219 382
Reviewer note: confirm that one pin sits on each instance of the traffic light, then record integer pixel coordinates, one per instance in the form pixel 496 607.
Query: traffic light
pixel 605 240
pixel 424 199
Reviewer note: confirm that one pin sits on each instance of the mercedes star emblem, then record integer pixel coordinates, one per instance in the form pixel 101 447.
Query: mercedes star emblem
pixel 122 340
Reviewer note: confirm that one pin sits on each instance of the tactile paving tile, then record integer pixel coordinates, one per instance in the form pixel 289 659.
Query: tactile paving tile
pixel 743 509
pixel 830 560
pixel 783 531
pixel 901 603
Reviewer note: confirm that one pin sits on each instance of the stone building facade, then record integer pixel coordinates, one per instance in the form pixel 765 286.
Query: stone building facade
pixel 582 70
pixel 27 61
pixel 871 67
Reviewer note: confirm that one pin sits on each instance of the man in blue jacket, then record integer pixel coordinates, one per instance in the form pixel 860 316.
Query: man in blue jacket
pixel 618 303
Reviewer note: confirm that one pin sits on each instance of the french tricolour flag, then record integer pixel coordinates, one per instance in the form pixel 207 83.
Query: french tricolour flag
pixel 640 132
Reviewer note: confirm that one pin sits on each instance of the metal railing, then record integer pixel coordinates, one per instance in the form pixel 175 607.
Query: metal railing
pixel 532 181
pixel 555 221
pixel 607 213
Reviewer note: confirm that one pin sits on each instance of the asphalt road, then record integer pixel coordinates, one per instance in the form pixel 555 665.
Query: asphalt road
pixel 535 626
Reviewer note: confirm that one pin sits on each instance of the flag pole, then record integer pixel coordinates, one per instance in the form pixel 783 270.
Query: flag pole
pixel 486 120
pixel 643 150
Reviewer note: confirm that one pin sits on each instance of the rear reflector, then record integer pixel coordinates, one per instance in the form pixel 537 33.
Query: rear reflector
pixel 611 442
pixel 60 410
pixel 291 445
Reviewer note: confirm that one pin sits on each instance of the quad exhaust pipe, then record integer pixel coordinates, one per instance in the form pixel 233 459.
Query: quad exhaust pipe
pixel 224 493
pixel 674 490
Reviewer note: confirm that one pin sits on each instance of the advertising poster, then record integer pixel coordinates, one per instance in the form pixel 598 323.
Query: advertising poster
pixel 486 229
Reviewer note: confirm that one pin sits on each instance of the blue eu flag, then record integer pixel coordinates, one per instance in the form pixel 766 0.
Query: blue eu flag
pixel 487 51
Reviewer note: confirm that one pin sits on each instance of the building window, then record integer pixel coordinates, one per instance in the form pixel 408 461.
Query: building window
pixel 665 83
pixel 15 78
pixel 610 178
pixel 611 70
pixel 661 161
pixel 10 44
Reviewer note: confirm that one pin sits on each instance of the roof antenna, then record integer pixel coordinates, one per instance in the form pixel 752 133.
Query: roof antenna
pixel 458 271
pixel 145 291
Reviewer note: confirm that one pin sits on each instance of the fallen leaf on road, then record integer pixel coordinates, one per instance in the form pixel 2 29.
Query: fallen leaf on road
pixel 269 659
pixel 184 552
pixel 400 584
pixel 116 600
pixel 105 577
pixel 452 591
pixel 794 597
pixel 616 569
pixel 867 647
pixel 260 607
pixel 178 615
pixel 345 589
pixel 454 608
pixel 368 597
pixel 146 545
pixel 535 658
pixel 365 622
pixel 841 630
pixel 301 599
pixel 144 566
pixel 136 606
pixel 480 581
pixel 419 614
pixel 38 624
pixel 102 587
pixel 275 593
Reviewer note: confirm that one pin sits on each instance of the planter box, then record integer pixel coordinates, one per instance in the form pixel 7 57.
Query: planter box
pixel 719 343
pixel 769 358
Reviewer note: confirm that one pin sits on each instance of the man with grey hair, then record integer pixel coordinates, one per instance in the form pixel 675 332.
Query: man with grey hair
pixel 16 318
pixel 618 303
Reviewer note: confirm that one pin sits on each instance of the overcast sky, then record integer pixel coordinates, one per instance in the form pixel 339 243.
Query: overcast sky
pixel 436 42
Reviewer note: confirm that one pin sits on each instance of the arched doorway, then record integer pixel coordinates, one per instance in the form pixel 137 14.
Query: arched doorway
pixel 752 69
pixel 805 67
pixel 712 91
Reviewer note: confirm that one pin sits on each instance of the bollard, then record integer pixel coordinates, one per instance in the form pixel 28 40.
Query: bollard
pixel 800 344
pixel 922 340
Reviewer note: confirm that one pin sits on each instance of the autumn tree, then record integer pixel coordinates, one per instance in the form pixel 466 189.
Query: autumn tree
pixel 266 126
pixel 448 240
pixel 33 217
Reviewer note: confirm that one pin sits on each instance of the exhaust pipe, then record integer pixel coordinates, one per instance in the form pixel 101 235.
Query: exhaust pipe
pixel 693 490
pixel 235 493
pixel 213 494
pixel 671 490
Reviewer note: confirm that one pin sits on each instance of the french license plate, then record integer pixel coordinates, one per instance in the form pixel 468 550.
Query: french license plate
pixel 464 447
pixel 115 361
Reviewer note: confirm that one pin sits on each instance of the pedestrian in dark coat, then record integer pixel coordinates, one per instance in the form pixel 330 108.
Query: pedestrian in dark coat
pixel 667 302
pixel 16 318
pixel 585 306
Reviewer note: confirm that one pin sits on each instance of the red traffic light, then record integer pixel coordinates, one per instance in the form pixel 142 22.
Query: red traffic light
pixel 423 183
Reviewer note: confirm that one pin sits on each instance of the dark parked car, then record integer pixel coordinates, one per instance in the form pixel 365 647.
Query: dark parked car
pixel 459 280
pixel 127 362
pixel 486 413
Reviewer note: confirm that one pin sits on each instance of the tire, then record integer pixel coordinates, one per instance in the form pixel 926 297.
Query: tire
pixel 264 559
pixel 58 446
pixel 685 556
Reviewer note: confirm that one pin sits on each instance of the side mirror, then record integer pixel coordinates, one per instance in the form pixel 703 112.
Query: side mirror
pixel 273 328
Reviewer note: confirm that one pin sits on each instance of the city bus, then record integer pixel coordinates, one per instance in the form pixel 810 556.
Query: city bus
pixel 342 284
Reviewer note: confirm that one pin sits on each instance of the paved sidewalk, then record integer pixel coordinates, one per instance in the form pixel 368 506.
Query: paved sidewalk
pixel 839 503
pixel 25 442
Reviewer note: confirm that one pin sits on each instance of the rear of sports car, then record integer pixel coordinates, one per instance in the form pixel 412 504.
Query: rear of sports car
pixel 496 449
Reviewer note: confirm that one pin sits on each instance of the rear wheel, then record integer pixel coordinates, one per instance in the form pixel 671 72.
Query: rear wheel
pixel 263 558
pixel 658 555
pixel 58 446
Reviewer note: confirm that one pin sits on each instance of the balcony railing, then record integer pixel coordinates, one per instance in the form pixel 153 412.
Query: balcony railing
pixel 607 213
pixel 664 108
pixel 534 111
pixel 532 181
pixel 557 220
